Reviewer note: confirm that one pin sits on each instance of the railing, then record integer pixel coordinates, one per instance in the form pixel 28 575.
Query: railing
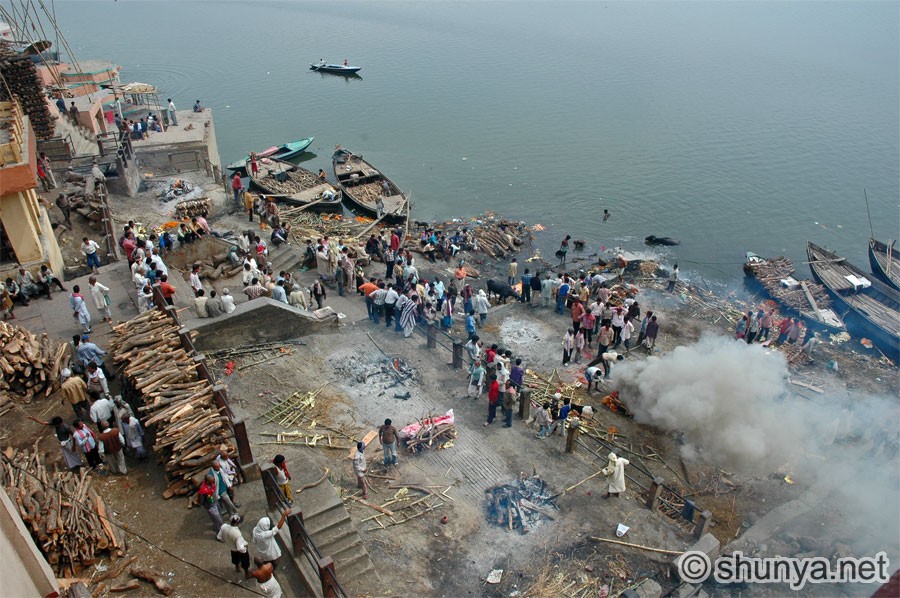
pixel 301 542
pixel 109 231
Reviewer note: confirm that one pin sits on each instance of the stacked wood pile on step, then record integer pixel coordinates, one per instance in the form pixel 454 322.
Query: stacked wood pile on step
pixel 21 78
pixel 190 430
pixel 770 274
pixel 67 519
pixel 29 364
pixel 187 209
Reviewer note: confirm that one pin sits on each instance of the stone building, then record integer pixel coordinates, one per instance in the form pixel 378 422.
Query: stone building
pixel 26 236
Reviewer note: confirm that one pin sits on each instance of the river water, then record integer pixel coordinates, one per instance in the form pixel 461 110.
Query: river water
pixel 731 126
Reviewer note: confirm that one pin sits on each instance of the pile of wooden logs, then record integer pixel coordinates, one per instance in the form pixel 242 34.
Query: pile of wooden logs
pixel 190 429
pixel 68 520
pixel 187 209
pixel 20 77
pixel 295 181
pixel 29 365
pixel 770 274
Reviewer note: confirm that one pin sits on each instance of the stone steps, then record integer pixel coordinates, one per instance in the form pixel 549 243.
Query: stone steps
pixel 332 531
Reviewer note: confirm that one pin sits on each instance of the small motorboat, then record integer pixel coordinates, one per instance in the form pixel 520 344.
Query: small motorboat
pixel 337 69
pixel 289 150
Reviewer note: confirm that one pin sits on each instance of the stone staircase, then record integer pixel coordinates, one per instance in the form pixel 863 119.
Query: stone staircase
pixel 285 258
pixel 329 526
pixel 83 144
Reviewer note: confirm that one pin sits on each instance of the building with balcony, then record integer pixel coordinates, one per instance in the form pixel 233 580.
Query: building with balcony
pixel 26 236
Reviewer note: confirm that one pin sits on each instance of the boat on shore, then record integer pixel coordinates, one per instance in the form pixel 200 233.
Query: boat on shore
pixel 289 150
pixel 876 304
pixel 885 262
pixel 362 185
pixel 290 184
pixel 335 69
pixel 800 297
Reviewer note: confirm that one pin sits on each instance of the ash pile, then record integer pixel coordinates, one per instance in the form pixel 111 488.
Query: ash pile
pixel 180 189
pixel 522 505
pixel 380 373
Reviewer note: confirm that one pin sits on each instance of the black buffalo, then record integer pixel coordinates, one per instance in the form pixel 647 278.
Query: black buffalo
pixel 502 290
pixel 654 240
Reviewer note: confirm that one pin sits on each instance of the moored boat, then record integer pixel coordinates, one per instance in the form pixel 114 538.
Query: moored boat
pixel 363 184
pixel 289 150
pixel 885 262
pixel 296 186
pixel 808 300
pixel 876 304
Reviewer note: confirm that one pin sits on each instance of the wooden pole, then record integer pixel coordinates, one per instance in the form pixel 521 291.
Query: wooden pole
pixel 630 545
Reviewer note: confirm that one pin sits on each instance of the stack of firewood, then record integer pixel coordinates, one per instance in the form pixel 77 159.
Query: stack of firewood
pixel 190 430
pixel 770 274
pixel 189 208
pixel 29 365
pixel 21 78
pixel 67 519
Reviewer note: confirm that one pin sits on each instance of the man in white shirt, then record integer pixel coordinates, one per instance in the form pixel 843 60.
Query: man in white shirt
pixel 195 280
pixel 89 251
pixel 173 120
pixel 390 300
pixel 232 537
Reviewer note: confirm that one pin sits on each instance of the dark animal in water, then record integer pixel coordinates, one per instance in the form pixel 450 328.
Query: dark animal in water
pixel 421 225
pixel 578 244
pixel 654 240
pixel 502 290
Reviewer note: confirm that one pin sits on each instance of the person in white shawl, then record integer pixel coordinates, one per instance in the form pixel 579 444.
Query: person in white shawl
pixel 227 301
pixel 482 305
pixel 100 295
pixel 322 264
pixel 615 475
pixel 264 541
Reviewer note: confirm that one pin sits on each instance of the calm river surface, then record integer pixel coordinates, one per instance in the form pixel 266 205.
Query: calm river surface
pixel 731 126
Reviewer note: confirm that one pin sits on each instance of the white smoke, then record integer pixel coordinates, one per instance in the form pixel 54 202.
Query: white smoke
pixel 723 396
pixel 733 406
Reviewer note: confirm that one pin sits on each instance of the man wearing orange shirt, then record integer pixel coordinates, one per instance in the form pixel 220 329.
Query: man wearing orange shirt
pixel 167 290
pixel 366 289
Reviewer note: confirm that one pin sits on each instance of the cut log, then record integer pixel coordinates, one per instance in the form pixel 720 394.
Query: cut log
pixel 153 577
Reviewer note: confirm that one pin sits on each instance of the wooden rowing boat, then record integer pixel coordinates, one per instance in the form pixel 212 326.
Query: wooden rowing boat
pixel 799 297
pixel 885 261
pixel 363 184
pixel 289 150
pixel 876 304
pixel 296 186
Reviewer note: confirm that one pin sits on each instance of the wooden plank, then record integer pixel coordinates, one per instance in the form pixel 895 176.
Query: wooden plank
pixel 812 300
pixel 369 437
